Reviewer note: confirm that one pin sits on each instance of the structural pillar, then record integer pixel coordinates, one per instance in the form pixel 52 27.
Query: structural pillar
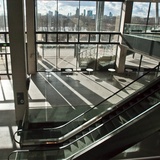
pixel 31 51
pixel 99 14
pixel 157 14
pixel 126 15
pixel 18 56
pixel 99 17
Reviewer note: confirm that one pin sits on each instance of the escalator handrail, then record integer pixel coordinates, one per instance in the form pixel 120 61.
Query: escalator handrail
pixel 110 133
pixel 104 99
pixel 97 118
pixel 155 105
pixel 64 146
pixel 118 128
pixel 56 128
pixel 16 151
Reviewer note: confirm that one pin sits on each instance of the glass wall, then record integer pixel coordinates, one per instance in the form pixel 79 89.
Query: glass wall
pixel 53 15
pixel 144 22
pixel 3 16
pixel 75 16
pixel 5 61
pixel 145 17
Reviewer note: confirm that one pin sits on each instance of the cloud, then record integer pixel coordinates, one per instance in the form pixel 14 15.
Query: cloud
pixel 66 7
pixel 113 7
pixel 44 6
pixel 140 9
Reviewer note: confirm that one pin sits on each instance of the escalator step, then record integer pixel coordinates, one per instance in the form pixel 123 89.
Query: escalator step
pixel 88 139
pixel 79 137
pixel 125 117
pixel 153 100
pixel 100 128
pixel 157 94
pixel 103 131
pixel 74 147
pixel 81 143
pixel 67 152
pixel 145 104
pixel 96 134
pixel 138 108
pixel 116 122
pixel 109 126
pixel 131 112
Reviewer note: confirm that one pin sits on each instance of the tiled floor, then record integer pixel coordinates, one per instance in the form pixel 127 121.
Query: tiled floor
pixel 60 92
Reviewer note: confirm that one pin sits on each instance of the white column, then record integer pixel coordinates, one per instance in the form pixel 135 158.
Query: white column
pixel 31 51
pixel 126 15
pixel 18 56
pixel 121 58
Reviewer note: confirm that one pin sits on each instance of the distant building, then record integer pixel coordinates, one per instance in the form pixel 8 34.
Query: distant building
pixel 110 14
pixel 50 15
pixel 84 12
pixel 89 13
pixel 56 13
pixel 77 12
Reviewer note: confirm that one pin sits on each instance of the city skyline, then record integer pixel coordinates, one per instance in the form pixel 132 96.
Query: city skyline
pixel 64 7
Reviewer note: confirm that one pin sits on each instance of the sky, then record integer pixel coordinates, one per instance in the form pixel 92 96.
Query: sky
pixel 65 7
pixel 140 9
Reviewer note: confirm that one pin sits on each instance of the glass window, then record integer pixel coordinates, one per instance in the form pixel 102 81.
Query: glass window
pixel 62 37
pixel 104 37
pixel 2 38
pixel 73 37
pixel 51 37
pixel 65 17
pixel 68 15
pixel 46 52
pixel 3 16
pixel 84 38
pixel 75 15
pixel 114 38
pixel 46 15
pixel 40 37
pixel 139 12
pixel 111 16
pixel 139 17
pixel 87 18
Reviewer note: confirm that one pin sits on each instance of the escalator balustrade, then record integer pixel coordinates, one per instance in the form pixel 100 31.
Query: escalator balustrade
pixel 104 128
pixel 91 134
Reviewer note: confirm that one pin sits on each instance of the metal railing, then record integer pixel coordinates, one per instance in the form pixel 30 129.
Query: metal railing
pixel 81 116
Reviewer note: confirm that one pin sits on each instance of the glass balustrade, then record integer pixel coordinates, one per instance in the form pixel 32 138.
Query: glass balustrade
pixel 63 132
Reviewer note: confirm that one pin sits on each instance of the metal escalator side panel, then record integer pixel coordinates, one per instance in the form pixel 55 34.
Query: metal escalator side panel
pixel 118 141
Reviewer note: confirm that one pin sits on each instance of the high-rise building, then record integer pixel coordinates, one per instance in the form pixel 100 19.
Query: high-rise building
pixel 89 13
pixel 77 12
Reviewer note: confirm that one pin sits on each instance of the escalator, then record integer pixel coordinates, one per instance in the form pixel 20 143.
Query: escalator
pixel 100 134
